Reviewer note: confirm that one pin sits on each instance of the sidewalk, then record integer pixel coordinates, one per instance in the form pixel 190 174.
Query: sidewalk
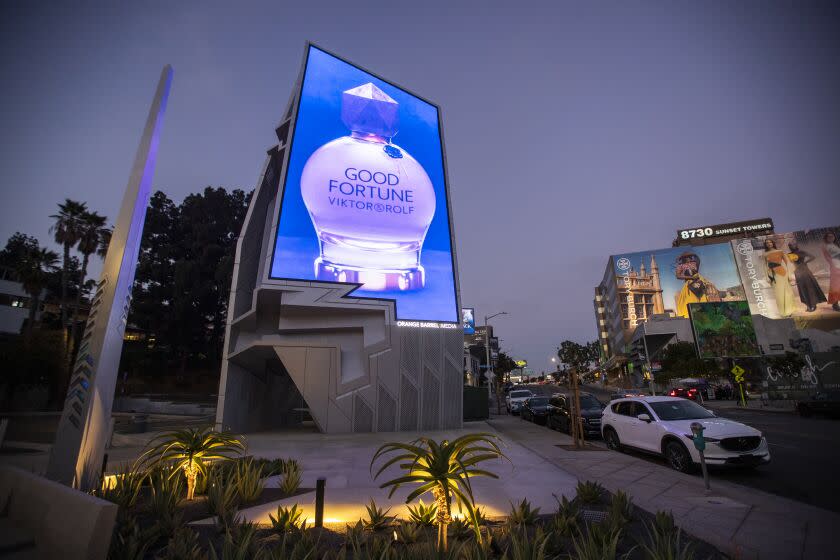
pixel 742 522
pixel 754 405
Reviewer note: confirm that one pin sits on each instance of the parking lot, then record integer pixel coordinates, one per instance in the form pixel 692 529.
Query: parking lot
pixel 805 453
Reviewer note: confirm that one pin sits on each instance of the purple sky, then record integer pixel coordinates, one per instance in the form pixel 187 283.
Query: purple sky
pixel 572 131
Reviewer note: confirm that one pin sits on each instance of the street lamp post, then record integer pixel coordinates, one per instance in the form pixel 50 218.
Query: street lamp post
pixel 487 348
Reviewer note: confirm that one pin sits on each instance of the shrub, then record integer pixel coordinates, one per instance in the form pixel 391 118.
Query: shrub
pixel 664 540
pixel 302 548
pixel 240 544
pixel 248 479
pixel 165 487
pixel 589 492
pixel 290 481
pixel 124 488
pixel 423 514
pixel 408 532
pixel 599 541
pixel 183 545
pixel 621 509
pixel 522 514
pixel 288 520
pixel 460 529
pixel 221 496
pixel 377 517
pixel 523 547
pixel 129 541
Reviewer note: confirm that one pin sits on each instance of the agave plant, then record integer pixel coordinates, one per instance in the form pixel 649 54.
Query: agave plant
pixel 441 468
pixel 621 509
pixel 123 488
pixel 190 450
pixel 183 545
pixel 290 481
pixel 408 532
pixel 522 514
pixel 288 520
pixel 249 482
pixel 589 492
pixel 523 547
pixel 377 517
pixel 422 514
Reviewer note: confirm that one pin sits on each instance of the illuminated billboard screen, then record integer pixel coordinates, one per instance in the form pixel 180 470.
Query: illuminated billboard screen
pixel 793 275
pixel 468 319
pixel 364 199
pixel 723 329
pixel 668 280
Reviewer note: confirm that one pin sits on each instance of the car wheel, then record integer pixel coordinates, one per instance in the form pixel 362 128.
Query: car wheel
pixel 611 439
pixel 677 456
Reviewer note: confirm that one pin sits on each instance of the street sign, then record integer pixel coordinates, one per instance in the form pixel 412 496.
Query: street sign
pixel 737 370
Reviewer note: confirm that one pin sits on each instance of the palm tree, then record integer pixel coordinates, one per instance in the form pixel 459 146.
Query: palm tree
pixel 443 469
pixel 91 233
pixel 34 270
pixel 190 450
pixel 67 230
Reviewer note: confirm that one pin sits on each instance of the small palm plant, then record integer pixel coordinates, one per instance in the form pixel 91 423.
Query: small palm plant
pixel 190 450
pixel 443 469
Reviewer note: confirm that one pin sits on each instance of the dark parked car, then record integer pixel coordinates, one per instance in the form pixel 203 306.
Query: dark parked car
pixel 626 393
pixel 690 394
pixel 535 409
pixel 559 413
pixel 824 402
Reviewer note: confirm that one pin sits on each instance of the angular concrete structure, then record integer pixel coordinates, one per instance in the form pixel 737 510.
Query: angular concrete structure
pixel 296 347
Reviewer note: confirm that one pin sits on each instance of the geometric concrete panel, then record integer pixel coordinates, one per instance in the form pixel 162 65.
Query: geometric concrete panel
pixel 362 415
pixel 431 401
pixel 409 405
pixel 386 420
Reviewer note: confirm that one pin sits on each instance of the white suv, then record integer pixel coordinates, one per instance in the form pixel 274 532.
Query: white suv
pixel 516 398
pixel 662 425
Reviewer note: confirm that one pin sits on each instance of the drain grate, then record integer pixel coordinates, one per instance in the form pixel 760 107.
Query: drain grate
pixel 593 516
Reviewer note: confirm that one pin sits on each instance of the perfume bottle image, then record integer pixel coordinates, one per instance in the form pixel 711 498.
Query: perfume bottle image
pixel 370 201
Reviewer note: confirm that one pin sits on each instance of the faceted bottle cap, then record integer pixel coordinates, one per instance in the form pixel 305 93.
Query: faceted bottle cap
pixel 370 110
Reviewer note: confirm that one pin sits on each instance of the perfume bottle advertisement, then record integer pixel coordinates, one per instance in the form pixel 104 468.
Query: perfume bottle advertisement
pixel 365 199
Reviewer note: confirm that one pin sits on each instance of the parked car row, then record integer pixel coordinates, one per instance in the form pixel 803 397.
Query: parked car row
pixel 658 425
pixel 556 412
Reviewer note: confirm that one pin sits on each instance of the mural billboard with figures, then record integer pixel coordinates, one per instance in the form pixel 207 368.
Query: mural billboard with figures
pixel 669 280
pixel 793 276
pixel 723 329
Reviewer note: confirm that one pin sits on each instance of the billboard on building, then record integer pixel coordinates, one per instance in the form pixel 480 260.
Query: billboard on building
pixel 468 320
pixel 364 198
pixel 723 329
pixel 793 275
pixel 668 280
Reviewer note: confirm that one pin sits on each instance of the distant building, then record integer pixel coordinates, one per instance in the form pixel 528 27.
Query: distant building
pixel 14 302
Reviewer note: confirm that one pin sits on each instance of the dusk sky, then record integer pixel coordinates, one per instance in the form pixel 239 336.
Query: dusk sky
pixel 573 131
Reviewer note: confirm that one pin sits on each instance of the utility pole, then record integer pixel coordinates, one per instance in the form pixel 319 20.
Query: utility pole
pixel 487 356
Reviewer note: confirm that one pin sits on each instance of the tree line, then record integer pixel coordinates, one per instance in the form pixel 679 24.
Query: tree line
pixel 180 292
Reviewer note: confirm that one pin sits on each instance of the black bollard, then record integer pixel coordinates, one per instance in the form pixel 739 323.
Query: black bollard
pixel 319 501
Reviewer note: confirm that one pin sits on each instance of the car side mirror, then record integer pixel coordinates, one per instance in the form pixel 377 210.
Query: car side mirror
pixel 644 418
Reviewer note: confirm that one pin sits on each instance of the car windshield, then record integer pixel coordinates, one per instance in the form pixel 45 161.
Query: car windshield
pixel 518 394
pixel 679 410
pixel 538 401
pixel 589 402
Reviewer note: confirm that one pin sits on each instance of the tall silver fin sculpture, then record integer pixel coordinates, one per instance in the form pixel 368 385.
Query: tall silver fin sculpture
pixel 76 457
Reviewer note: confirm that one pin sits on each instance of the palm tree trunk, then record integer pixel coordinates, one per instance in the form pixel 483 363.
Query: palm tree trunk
pixel 75 310
pixel 443 518
pixel 34 302
pixel 191 473
pixel 64 280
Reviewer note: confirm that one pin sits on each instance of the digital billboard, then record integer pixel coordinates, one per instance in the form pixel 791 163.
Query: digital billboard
pixel 723 329
pixel 364 199
pixel 793 275
pixel 468 320
pixel 668 280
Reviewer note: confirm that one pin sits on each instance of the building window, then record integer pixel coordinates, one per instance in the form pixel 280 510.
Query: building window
pixel 14 301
